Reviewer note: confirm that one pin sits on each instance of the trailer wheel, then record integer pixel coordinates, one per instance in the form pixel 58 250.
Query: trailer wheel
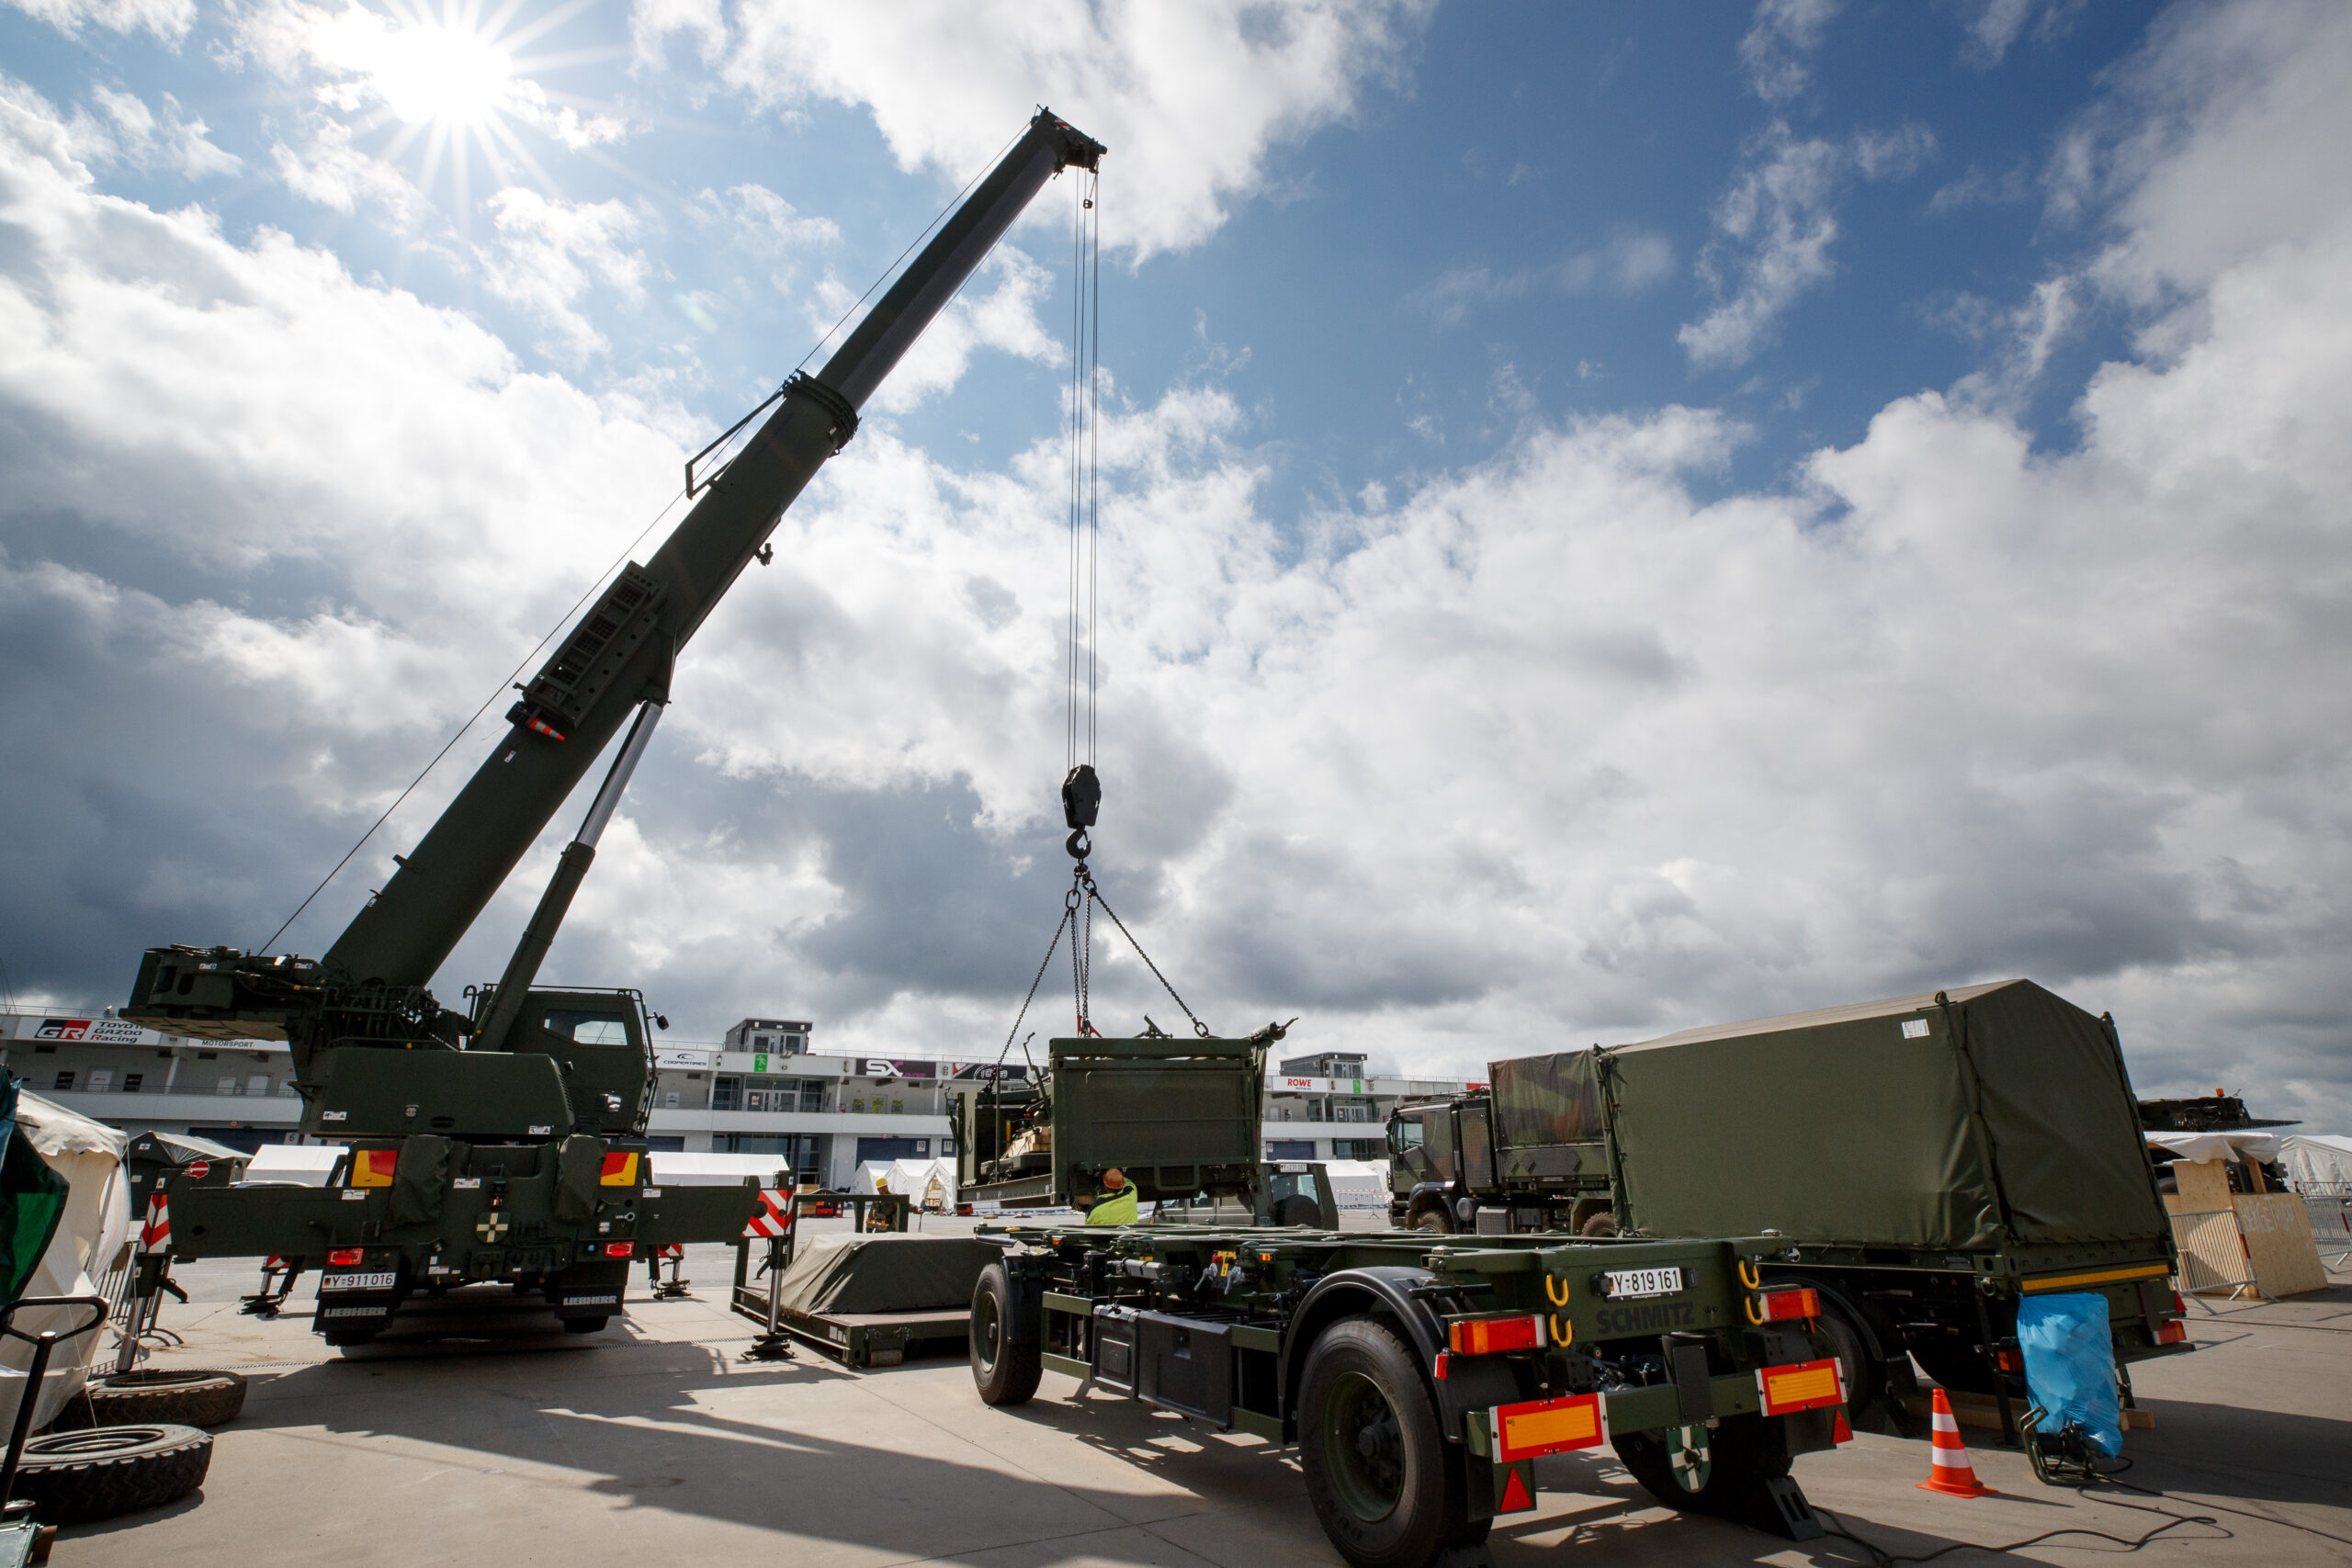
pixel 1374 1458
pixel 1006 1373
pixel 73 1478
pixel 1698 1471
pixel 151 1395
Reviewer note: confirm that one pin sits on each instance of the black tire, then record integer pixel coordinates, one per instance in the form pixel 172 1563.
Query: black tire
pixel 154 1395
pixel 1004 1372
pixel 585 1325
pixel 78 1478
pixel 1601 1223
pixel 344 1339
pixel 1865 1374
pixel 1433 1219
pixel 1737 1457
pixel 1383 1486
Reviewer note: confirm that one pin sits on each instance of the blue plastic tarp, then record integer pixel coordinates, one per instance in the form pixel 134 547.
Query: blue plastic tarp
pixel 2070 1366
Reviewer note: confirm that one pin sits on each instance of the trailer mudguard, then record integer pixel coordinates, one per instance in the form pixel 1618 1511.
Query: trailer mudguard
pixel 1471 1382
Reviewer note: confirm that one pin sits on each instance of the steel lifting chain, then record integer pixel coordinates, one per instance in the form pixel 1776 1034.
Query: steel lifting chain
pixel 1085 879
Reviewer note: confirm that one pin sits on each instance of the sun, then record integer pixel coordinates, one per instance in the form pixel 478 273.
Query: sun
pixel 450 87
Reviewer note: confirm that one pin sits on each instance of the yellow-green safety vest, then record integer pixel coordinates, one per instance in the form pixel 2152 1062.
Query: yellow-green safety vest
pixel 1118 1209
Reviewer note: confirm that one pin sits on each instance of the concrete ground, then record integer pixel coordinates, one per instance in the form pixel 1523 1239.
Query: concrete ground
pixel 488 1435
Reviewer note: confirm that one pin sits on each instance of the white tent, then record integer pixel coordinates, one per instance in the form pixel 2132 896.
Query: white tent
pixel 2318 1161
pixel 296 1165
pixel 673 1168
pixel 930 1182
pixel 93 1236
pixel 1359 1188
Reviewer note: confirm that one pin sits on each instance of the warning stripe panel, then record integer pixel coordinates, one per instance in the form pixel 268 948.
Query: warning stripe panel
pixel 1807 1385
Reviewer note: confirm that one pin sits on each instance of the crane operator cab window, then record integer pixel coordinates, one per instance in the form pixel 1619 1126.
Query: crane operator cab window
pixel 589 1028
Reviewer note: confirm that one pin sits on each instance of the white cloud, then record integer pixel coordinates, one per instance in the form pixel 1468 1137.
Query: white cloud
pixel 1778 50
pixel 1629 261
pixel 1193 100
pixel 167 19
pixel 550 252
pixel 1775 228
pixel 332 171
pixel 139 136
pixel 1572 744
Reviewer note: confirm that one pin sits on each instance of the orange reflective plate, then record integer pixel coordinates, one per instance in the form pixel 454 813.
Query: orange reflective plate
pixel 1808 1386
pixel 1548 1427
pixel 620 1171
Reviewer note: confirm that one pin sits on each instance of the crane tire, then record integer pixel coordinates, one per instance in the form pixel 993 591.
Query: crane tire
pixel 99 1472
pixel 148 1395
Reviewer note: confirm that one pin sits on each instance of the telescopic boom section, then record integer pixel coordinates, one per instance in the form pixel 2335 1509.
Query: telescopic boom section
pixel 621 652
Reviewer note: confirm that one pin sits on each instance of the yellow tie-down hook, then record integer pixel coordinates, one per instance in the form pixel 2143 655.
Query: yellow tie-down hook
pixel 1564 1332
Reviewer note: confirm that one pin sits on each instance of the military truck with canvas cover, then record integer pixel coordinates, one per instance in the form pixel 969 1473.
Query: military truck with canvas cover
pixel 1929 1161
pixel 1180 1117
pixel 1420 1376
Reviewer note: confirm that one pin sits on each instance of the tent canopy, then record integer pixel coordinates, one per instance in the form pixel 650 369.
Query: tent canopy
pixel 185 1148
pixel 2235 1147
pixel 2317 1159
pixel 674 1168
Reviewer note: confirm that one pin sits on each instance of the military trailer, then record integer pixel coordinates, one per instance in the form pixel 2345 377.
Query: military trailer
pixel 507 1143
pixel 1178 1116
pixel 1421 1376
pixel 1961 1150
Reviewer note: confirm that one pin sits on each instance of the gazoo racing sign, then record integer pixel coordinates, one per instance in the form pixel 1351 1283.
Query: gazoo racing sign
pixel 90 1031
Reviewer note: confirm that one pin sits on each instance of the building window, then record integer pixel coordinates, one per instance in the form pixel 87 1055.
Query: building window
pixel 227 1085
pixel 724 1093
pixel 207 1056
pixel 1290 1148
pixel 795 1043
pixel 44 1050
pixel 812 1095
pixel 130 1082
pixel 101 1079
pixel 1357 1148
pixel 65 1078
pixel 763 1042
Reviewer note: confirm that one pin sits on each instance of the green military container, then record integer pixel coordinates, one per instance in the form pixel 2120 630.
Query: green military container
pixel 1181 1118
pixel 1928 1160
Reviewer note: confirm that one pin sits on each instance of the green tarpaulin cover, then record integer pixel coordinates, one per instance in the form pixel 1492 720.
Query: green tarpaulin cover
pixel 32 1201
pixel 1906 1122
pixel 884 1273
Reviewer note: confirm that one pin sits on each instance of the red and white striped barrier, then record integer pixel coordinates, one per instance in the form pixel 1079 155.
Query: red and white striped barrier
pixel 155 1234
pixel 775 1215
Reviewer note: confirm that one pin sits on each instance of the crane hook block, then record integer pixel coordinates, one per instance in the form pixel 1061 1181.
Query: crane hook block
pixel 1081 797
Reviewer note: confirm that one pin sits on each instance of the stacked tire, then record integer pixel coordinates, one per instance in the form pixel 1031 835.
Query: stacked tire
pixel 130 1440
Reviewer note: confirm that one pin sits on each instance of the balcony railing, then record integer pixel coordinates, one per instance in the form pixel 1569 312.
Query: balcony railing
pixel 228 1091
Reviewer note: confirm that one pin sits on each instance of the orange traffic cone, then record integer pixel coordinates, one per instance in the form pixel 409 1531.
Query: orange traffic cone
pixel 1949 1471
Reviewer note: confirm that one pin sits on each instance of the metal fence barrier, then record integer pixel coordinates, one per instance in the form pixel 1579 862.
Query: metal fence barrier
pixel 2213 1257
pixel 2331 1216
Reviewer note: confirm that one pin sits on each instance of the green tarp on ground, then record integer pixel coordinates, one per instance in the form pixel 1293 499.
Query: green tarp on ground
pixel 884 1273
pixel 1906 1122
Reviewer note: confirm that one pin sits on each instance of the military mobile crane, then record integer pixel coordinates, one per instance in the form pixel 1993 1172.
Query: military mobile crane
pixel 508 1142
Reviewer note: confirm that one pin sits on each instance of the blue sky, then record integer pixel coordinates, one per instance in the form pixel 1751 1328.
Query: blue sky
pixel 1619 516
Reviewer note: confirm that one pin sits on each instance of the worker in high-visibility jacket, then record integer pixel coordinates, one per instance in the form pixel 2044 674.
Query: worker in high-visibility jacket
pixel 1117 1204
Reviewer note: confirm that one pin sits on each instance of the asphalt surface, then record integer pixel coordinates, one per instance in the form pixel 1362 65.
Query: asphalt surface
pixel 478 1431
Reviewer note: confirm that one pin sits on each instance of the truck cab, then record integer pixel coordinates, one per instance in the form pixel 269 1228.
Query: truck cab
pixel 1441 1161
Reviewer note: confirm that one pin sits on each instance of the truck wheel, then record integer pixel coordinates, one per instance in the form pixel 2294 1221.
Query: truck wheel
pixel 74 1478
pixel 1374 1458
pixel 152 1395
pixel 1601 1223
pixel 1005 1373
pixel 1433 1219
pixel 1702 1472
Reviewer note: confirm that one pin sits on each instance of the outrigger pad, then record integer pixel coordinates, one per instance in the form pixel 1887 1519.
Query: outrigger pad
pixel 1779 1508
pixel 884 1273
